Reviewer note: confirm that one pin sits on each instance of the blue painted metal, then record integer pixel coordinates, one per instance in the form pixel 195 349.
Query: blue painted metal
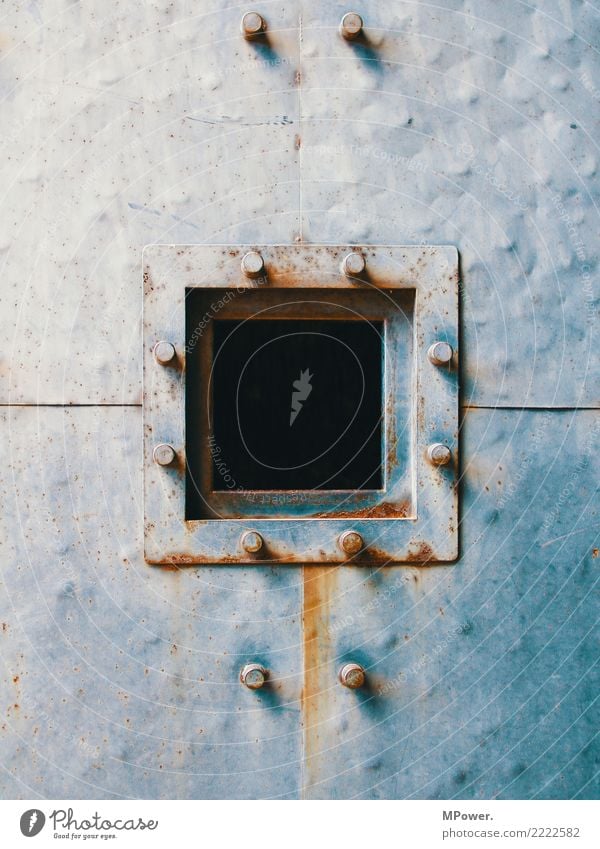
pixel 119 679
pixel 452 124
pixel 483 678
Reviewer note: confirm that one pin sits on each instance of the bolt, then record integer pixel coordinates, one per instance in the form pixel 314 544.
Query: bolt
pixel 252 264
pixel 164 353
pixel 253 676
pixel 352 675
pixel 351 26
pixel 351 542
pixel 164 454
pixel 440 353
pixel 252 25
pixel 252 542
pixel 439 454
pixel 353 265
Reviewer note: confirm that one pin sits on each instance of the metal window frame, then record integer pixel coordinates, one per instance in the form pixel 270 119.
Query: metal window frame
pixel 425 532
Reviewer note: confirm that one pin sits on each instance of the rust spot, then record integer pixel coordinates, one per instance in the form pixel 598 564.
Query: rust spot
pixel 16 679
pixel 298 78
pixel 297 142
pixel 422 554
pixel 595 552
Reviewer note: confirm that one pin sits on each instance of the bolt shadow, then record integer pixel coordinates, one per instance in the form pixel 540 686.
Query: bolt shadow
pixel 368 55
pixel 263 47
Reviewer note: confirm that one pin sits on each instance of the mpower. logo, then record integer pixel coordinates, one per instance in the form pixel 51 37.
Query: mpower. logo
pixel 32 822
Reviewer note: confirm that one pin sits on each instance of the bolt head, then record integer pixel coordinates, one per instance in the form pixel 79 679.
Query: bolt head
pixel 352 675
pixel 253 676
pixel 439 454
pixel 164 454
pixel 440 353
pixel 252 542
pixel 351 542
pixel 164 353
pixel 353 265
pixel 351 26
pixel 252 24
pixel 252 264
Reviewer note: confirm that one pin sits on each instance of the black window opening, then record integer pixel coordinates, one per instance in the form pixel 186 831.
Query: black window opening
pixel 286 404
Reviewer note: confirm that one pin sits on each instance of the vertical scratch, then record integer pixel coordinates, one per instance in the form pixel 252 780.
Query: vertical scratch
pixel 300 131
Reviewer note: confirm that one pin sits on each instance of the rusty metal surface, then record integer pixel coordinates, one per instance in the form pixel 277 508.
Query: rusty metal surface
pixel 152 123
pixel 482 681
pixel 417 393
pixel 124 126
pixel 118 679
pixel 475 126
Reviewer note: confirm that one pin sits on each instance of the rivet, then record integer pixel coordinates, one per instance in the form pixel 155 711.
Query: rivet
pixel 440 353
pixel 253 676
pixel 164 353
pixel 252 24
pixel 353 265
pixel 439 454
pixel 252 542
pixel 252 264
pixel 351 542
pixel 164 454
pixel 352 675
pixel 351 26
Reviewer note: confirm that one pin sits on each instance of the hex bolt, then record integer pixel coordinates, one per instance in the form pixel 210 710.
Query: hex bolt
pixel 252 25
pixel 164 353
pixel 352 675
pixel 351 542
pixel 164 454
pixel 252 542
pixel 252 264
pixel 351 26
pixel 440 353
pixel 439 454
pixel 254 676
pixel 353 265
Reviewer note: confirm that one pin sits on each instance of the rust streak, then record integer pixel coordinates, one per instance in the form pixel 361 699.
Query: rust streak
pixel 385 510
pixel 319 586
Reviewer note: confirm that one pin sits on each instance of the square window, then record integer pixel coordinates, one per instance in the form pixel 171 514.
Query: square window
pixel 299 404
pixel 296 405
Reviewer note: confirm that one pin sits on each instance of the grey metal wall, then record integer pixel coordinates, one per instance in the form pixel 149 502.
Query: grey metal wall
pixel 472 125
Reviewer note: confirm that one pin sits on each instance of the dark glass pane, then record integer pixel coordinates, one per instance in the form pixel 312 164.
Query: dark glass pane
pixel 296 404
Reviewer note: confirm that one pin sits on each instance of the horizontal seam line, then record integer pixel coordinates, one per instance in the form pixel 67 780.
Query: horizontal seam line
pixel 464 407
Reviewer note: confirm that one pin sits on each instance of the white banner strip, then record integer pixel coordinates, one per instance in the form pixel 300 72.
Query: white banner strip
pixel 288 825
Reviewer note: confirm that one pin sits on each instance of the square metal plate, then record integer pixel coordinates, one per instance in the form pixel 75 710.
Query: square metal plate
pixel 197 508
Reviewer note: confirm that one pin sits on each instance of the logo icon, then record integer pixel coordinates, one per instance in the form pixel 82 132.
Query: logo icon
pixel 32 822
pixel 302 389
